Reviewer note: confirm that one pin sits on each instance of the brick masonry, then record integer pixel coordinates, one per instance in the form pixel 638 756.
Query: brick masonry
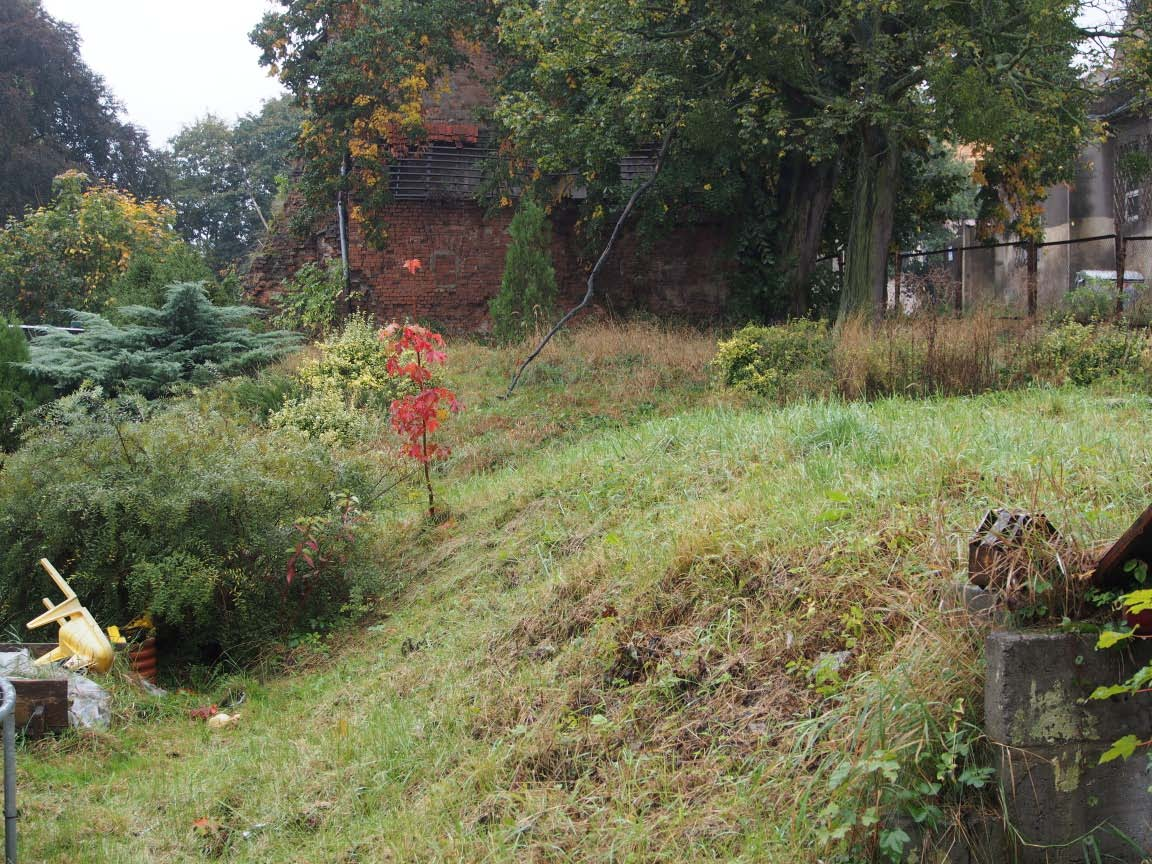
pixel 462 250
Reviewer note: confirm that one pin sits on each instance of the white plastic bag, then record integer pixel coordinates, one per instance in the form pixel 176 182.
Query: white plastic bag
pixel 18 664
pixel 88 703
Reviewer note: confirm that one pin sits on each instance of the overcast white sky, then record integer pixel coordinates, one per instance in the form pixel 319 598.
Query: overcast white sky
pixel 169 63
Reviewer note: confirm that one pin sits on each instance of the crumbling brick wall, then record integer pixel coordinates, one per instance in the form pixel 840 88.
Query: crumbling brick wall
pixel 462 251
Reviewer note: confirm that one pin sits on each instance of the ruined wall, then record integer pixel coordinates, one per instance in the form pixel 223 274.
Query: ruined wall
pixel 462 250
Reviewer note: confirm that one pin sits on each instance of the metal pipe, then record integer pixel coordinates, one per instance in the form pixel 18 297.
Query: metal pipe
pixel 8 714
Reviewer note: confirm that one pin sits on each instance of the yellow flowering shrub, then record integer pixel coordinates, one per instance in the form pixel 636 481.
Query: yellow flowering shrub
pixel 72 253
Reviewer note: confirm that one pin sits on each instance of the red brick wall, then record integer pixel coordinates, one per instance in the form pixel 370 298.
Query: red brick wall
pixel 463 260
pixel 462 253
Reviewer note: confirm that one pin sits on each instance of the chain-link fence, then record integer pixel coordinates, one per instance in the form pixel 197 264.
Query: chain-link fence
pixel 1075 275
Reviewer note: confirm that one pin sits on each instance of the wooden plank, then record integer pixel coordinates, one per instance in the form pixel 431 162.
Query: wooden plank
pixel 1135 543
pixel 41 705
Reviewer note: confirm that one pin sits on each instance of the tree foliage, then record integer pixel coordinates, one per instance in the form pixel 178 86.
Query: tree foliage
pixel 225 178
pixel 180 509
pixel 363 69
pixel 187 339
pixel 19 391
pixel 74 252
pixel 58 115
pixel 779 111
pixel 824 91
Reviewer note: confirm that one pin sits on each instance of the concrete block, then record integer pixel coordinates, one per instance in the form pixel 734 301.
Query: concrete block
pixel 1036 681
pixel 1063 805
pixel 977 838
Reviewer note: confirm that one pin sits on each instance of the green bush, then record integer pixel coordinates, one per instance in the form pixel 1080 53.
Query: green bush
pixel 148 275
pixel 1087 306
pixel 1085 353
pixel 263 395
pixel 308 300
pixel 354 362
pixel 925 355
pixel 323 413
pixel 781 361
pixel 19 391
pixel 184 512
pixel 186 340
pixel 527 293
pixel 346 389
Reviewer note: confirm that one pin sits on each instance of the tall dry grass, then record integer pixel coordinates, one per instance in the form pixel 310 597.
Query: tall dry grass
pixel 674 348
pixel 925 354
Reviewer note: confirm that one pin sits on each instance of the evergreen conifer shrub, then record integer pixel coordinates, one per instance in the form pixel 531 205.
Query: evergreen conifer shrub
pixel 187 339
pixel 19 391
pixel 527 294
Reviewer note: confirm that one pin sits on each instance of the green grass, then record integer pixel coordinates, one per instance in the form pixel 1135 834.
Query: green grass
pixel 605 653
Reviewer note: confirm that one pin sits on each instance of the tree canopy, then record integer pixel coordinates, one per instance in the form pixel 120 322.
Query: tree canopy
pixel 363 70
pixel 777 111
pixel 59 115
pixel 226 176
pixel 810 93
pixel 87 245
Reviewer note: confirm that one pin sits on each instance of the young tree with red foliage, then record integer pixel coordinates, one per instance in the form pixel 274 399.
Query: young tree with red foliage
pixel 414 350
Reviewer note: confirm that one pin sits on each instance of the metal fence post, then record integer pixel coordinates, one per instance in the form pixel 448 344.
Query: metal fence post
pixel 897 258
pixel 8 715
pixel 1031 280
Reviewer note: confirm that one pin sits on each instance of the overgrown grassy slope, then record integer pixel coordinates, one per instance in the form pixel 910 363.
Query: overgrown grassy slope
pixel 611 651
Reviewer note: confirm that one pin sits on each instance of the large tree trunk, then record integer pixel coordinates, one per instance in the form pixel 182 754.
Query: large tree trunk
pixel 870 229
pixel 805 194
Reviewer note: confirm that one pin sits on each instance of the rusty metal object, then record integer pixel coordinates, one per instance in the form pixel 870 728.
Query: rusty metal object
pixel 997 551
pixel 142 659
pixel 1134 544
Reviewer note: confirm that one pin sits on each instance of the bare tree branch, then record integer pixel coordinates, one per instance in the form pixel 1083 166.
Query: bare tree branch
pixel 639 191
